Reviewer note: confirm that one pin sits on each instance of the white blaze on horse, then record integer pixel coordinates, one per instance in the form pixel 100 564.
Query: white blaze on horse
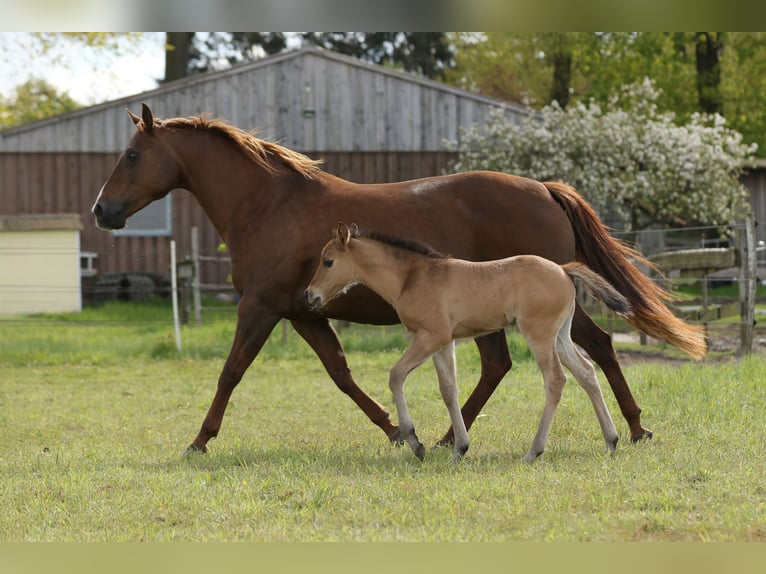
pixel 440 299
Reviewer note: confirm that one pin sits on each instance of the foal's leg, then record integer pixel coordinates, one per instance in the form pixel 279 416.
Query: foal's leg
pixel 419 350
pixel 598 344
pixel 583 371
pixel 554 380
pixel 444 361
pixel 495 363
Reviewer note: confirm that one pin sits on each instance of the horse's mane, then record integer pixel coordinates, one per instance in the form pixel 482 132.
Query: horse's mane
pixel 258 150
pixel 399 243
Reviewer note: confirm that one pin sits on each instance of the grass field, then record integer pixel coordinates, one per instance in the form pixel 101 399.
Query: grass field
pixel 98 408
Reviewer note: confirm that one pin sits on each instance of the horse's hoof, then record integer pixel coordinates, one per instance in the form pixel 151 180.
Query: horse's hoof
pixel 192 448
pixel 644 434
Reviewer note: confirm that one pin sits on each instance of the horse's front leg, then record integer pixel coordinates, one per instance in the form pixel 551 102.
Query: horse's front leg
pixel 421 347
pixel 254 324
pixel 495 363
pixel 323 339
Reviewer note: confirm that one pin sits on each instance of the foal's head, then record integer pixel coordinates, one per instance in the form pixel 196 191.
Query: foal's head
pixel 336 271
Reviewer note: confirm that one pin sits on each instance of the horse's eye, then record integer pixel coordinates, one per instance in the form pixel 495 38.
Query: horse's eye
pixel 131 154
pixel 327 263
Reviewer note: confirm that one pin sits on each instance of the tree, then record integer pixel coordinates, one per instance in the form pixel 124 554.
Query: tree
pixel 34 100
pixel 633 163
pixel 426 53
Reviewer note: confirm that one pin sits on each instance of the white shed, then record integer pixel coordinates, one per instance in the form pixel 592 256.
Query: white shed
pixel 40 264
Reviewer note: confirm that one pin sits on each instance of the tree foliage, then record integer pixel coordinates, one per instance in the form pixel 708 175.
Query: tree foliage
pixel 425 53
pixel 696 72
pixel 632 161
pixel 34 100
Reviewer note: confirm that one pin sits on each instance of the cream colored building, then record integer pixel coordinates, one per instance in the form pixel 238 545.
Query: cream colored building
pixel 40 264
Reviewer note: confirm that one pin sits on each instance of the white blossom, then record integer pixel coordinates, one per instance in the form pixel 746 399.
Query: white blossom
pixel 633 163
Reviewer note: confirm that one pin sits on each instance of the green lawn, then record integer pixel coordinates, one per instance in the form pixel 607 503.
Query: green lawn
pixel 97 410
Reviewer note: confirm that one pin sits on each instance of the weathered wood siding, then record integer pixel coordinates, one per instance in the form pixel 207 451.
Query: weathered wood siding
pixel 35 183
pixel 308 100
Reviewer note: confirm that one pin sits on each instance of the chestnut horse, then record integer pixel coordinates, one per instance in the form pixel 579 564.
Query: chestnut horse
pixel 273 207
pixel 440 299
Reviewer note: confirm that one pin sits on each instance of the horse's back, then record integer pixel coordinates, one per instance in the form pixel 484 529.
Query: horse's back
pixel 477 216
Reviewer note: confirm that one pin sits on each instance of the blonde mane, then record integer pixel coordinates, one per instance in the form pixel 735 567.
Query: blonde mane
pixel 258 150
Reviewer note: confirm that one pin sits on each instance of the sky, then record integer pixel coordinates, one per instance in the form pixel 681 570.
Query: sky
pixel 89 75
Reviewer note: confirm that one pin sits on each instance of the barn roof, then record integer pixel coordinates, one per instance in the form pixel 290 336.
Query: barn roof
pixel 359 98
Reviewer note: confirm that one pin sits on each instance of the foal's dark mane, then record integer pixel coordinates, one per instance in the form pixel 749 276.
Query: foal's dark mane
pixel 258 150
pixel 399 243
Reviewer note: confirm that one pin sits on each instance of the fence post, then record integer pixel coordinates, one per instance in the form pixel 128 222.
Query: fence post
pixel 196 278
pixel 747 284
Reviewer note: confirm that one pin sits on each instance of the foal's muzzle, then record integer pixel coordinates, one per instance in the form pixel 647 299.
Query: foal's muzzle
pixel 312 299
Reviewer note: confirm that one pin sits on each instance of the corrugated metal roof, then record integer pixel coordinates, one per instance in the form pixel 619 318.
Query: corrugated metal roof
pixel 40 222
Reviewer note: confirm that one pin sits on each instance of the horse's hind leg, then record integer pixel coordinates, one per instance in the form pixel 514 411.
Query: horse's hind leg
pixel 444 361
pixel 554 380
pixel 323 339
pixel 583 371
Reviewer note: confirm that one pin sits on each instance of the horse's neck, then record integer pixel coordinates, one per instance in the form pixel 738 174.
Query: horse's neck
pixel 225 183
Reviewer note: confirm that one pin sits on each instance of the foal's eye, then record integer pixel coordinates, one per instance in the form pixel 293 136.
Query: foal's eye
pixel 327 263
pixel 131 154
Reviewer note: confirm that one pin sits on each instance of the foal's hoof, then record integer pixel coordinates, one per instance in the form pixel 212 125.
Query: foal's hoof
pixel 192 448
pixel 643 434
pixel 396 438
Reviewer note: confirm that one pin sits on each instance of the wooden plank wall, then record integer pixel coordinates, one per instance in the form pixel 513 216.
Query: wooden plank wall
pixel 34 183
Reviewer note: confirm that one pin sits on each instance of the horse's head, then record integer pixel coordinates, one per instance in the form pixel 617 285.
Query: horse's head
pixel 336 270
pixel 146 171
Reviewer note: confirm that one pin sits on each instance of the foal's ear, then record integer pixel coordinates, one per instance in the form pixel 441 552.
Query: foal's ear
pixel 146 115
pixel 133 116
pixel 343 233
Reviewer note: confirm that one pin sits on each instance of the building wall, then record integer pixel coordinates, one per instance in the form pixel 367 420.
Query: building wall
pixel 39 271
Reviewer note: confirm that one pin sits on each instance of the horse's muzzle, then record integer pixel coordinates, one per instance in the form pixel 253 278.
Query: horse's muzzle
pixel 109 214
pixel 312 299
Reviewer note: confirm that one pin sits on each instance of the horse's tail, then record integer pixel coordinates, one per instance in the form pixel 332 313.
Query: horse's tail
pixel 611 259
pixel 599 287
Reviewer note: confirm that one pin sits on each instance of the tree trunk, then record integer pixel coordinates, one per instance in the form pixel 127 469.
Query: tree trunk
pixel 709 46
pixel 177 55
pixel 561 57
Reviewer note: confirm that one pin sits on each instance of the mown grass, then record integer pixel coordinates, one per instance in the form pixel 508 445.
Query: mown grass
pixel 97 414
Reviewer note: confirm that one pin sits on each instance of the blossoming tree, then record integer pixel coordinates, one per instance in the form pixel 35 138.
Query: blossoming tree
pixel 633 163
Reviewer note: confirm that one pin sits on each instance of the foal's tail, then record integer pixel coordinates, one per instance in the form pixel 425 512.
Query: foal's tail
pixel 611 259
pixel 599 287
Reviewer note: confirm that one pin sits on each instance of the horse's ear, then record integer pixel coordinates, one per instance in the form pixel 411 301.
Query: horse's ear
pixel 146 115
pixel 354 230
pixel 133 117
pixel 343 233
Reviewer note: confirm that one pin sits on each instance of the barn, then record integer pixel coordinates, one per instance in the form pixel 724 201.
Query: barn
pixel 367 122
